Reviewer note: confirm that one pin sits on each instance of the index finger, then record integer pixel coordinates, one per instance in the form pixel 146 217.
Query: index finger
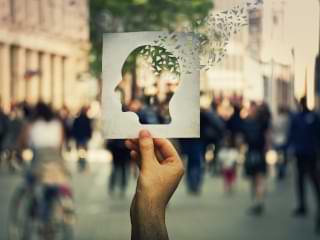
pixel 166 148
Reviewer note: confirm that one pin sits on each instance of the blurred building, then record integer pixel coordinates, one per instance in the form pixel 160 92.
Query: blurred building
pixel 259 60
pixel 44 46
pixel 228 77
pixel 276 56
pixel 302 33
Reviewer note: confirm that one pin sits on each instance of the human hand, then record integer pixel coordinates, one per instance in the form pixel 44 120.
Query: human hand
pixel 161 170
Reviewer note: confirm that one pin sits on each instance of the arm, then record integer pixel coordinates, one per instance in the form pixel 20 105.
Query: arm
pixel 148 221
pixel 161 170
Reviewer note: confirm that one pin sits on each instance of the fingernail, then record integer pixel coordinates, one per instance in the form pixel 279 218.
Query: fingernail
pixel 144 134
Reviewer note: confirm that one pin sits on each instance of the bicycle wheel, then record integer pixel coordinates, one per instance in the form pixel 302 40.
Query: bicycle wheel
pixel 21 223
pixel 59 225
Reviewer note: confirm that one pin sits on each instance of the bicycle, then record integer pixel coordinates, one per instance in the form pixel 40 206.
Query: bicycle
pixel 41 211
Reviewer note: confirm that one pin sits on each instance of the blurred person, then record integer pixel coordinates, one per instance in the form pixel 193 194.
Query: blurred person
pixel 163 113
pixel 82 133
pixel 228 156
pixel 15 125
pixel 211 129
pixel 45 136
pixel 264 115
pixel 47 181
pixel 192 149
pixel 159 177
pixel 3 131
pixel 234 123
pixel 280 129
pixel 134 105
pixel 149 113
pixel 67 122
pixel 28 110
pixel 304 137
pixel 120 165
pixel 255 130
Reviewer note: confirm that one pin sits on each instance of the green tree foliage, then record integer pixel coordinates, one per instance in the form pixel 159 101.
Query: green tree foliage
pixel 139 15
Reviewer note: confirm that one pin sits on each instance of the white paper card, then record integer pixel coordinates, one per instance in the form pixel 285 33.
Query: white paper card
pixel 123 88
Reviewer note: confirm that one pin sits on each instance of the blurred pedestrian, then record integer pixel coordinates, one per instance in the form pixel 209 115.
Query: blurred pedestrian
pixel 15 126
pixel 304 137
pixel 67 122
pixel 82 132
pixel 228 156
pixel 44 135
pixel 3 131
pixel 47 181
pixel 120 166
pixel 280 128
pixel 211 129
pixel 148 112
pixel 234 123
pixel 28 110
pixel 192 149
pixel 255 130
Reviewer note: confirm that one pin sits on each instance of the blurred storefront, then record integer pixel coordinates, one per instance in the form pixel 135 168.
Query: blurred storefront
pixel 44 47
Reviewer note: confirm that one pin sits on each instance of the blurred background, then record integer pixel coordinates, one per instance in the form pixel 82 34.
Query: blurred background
pixel 150 77
pixel 50 53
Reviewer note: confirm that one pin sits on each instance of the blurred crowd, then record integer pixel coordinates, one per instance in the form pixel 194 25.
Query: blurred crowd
pixel 245 135
pixel 236 136
pixel 149 111
pixel 14 125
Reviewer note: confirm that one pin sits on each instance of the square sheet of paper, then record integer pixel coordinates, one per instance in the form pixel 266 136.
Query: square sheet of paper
pixel 184 105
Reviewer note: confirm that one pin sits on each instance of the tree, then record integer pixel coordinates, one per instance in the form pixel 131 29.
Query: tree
pixel 139 15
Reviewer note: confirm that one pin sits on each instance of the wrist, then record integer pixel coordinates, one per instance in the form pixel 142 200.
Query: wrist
pixel 147 206
pixel 148 221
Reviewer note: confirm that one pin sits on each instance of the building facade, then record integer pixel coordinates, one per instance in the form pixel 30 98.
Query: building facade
pixel 276 56
pixel 258 63
pixel 44 46
pixel 228 76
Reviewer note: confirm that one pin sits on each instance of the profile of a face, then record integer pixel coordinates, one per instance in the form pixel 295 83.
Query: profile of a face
pixel 150 77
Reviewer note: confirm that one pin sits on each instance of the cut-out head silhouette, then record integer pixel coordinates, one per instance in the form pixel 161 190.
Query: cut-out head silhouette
pixel 150 77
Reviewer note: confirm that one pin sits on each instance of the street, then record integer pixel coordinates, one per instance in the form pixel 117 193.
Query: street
pixel 213 215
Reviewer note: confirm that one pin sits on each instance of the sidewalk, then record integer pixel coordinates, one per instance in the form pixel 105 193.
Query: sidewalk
pixel 211 216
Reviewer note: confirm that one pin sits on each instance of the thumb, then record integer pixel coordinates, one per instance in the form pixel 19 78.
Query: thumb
pixel 146 148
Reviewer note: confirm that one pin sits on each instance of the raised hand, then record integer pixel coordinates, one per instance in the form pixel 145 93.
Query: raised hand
pixel 161 170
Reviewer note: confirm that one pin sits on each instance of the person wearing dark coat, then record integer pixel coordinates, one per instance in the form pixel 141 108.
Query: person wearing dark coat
pixel 3 132
pixel 304 138
pixel 82 129
pixel 82 132
pixel 120 165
